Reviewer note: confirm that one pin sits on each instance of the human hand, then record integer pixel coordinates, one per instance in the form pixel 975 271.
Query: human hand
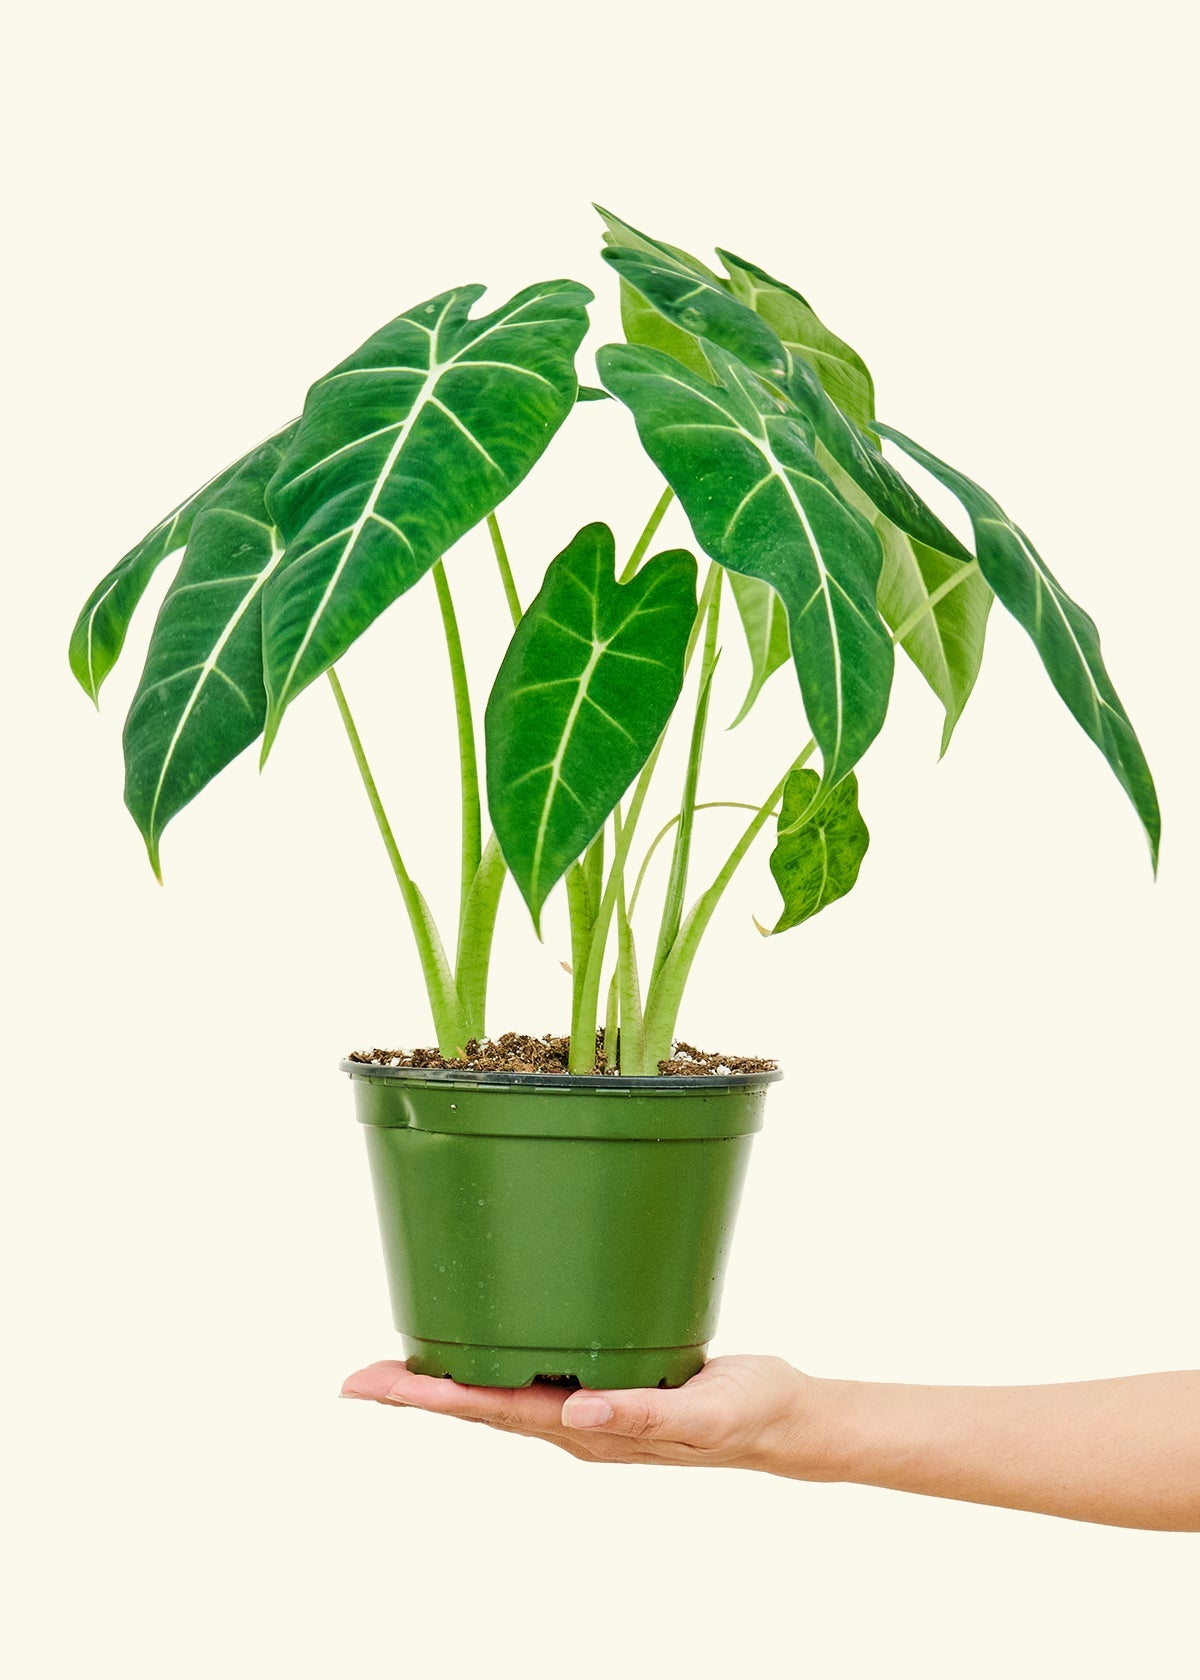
pixel 746 1412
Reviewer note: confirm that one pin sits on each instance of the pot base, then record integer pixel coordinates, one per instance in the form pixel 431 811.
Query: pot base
pixel 517 1367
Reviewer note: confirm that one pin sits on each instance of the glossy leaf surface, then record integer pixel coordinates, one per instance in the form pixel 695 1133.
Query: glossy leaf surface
pixel 706 309
pixel 640 321
pixel 817 862
pixel 100 630
pixel 772 329
pixel 589 680
pixel 402 448
pixel 841 370
pixel 201 700
pixel 1066 638
pixel 761 504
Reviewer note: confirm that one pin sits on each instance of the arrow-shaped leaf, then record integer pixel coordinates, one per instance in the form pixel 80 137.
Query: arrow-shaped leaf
pixel 1065 637
pixel 930 590
pixel 99 633
pixel 401 450
pixel 760 504
pixel 201 700
pixel 817 862
pixel 589 681
pixel 705 308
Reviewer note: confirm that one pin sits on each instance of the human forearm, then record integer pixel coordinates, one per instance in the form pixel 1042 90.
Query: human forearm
pixel 1123 1451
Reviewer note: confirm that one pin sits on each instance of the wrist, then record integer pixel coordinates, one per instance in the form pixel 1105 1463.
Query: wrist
pixel 821 1433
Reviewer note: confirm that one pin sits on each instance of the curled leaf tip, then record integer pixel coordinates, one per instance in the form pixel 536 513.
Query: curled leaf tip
pixel 765 931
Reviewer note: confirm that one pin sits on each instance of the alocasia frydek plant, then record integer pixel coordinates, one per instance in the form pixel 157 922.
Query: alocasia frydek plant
pixel 762 422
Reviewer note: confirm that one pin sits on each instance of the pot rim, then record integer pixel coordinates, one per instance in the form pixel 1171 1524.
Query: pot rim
pixel 609 1084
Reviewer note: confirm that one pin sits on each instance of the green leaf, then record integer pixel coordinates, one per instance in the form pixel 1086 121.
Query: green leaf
pixel 589 681
pixel 818 861
pixel 1065 637
pixel 402 448
pixel 761 504
pixel 99 633
pixel 935 604
pixel 841 370
pixel 590 393
pixel 201 700
pixel 764 619
pixel 937 607
pixel 640 321
pixel 930 589
pixel 705 308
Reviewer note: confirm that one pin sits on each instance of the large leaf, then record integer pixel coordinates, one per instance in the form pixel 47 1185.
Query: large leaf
pixel 818 861
pixel 1065 637
pixel 588 683
pixel 201 700
pixel 99 633
pixel 842 371
pixel 764 619
pixel 705 308
pixel 761 504
pixel 402 448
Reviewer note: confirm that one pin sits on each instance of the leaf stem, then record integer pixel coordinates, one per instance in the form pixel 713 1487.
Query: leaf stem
pixel 448 1019
pixel 506 577
pixel 475 936
pixel 705 805
pixel 647 536
pixel 672 913
pixel 666 993
pixel 472 828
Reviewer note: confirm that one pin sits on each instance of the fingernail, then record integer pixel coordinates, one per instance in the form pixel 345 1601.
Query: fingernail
pixel 586 1411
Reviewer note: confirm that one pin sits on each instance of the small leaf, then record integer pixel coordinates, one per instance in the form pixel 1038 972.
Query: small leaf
pixel 590 393
pixel 1065 637
pixel 589 681
pixel 99 633
pixel 761 504
pixel 201 701
pixel 402 448
pixel 764 619
pixel 817 862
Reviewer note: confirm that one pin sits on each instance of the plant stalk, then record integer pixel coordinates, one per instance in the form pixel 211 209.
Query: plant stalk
pixel 666 993
pixel 475 933
pixel 448 1019
pixel 506 577
pixel 705 805
pixel 587 1000
pixel 672 913
pixel 647 536
pixel 472 826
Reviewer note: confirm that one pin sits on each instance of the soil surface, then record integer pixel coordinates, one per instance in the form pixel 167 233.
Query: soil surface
pixel 518 1053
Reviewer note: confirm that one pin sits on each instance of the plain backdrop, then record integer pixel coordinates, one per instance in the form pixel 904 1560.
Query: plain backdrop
pixel 982 1166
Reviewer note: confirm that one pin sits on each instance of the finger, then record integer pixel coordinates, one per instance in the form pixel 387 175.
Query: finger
pixel 636 1413
pixel 526 1411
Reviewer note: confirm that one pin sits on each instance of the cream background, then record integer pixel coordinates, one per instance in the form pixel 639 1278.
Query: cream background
pixel 983 1165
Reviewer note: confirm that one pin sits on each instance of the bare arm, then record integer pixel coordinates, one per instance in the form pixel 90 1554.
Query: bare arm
pixel 1124 1450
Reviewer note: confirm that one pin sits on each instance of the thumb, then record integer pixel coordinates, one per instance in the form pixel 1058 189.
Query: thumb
pixel 643 1412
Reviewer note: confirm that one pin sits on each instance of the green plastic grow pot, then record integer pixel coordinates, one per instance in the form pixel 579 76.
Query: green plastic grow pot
pixel 547 1226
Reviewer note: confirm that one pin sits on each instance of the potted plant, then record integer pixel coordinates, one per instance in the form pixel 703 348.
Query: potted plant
pixel 564 1207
